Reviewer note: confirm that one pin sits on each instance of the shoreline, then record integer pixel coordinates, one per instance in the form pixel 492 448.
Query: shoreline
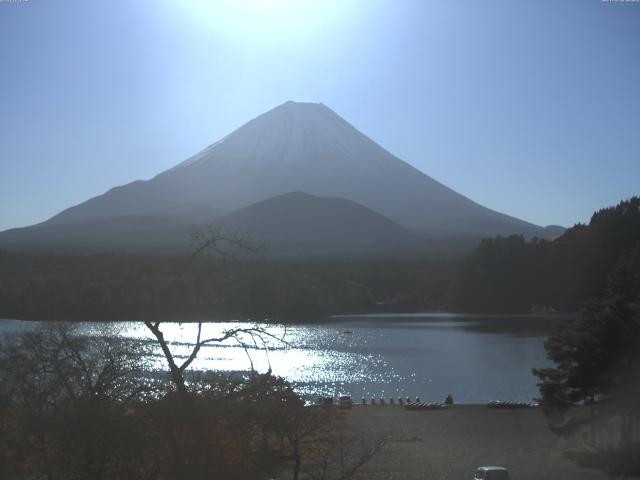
pixel 373 317
pixel 451 443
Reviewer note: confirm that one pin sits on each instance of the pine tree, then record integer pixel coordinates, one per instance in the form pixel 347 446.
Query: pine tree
pixel 595 384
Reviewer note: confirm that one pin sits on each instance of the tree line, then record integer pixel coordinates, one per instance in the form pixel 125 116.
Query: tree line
pixel 132 287
pixel 512 274
pixel 502 275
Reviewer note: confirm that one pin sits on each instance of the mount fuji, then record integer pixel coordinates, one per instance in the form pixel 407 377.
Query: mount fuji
pixel 295 147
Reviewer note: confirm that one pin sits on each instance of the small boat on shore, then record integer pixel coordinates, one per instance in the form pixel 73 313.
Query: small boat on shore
pixel 425 406
pixel 511 405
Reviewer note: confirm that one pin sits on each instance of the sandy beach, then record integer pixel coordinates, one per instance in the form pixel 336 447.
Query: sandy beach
pixel 450 444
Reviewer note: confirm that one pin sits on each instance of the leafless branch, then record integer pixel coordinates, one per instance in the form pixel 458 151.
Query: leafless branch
pixel 209 238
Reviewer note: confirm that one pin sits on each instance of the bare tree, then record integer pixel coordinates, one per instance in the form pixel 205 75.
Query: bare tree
pixel 343 456
pixel 247 337
pixel 64 394
pixel 319 446
pixel 209 240
pixel 64 364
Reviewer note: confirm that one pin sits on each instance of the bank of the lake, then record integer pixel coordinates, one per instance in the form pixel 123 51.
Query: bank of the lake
pixel 451 444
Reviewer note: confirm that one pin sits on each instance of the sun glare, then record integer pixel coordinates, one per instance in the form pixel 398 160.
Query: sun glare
pixel 266 20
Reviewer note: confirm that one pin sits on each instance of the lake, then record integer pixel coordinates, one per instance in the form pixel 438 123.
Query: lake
pixel 476 358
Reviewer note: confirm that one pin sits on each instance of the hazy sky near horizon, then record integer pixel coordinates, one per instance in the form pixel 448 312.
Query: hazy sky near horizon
pixel 531 108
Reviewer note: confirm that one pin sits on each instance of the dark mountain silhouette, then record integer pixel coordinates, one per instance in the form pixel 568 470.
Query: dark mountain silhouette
pixel 553 231
pixel 297 223
pixel 293 224
pixel 156 233
pixel 294 147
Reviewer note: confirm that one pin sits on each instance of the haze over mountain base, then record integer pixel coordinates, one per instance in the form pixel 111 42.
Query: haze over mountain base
pixel 299 178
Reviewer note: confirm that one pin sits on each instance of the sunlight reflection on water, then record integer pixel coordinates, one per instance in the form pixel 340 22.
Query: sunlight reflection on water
pixel 476 358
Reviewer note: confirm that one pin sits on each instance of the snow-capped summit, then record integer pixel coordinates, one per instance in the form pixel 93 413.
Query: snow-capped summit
pixel 290 134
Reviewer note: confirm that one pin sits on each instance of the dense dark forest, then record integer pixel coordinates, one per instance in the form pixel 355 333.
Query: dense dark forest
pixel 502 275
pixel 511 274
pixel 127 287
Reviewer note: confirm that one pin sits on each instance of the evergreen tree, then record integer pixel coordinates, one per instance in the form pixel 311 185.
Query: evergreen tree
pixel 513 274
pixel 595 384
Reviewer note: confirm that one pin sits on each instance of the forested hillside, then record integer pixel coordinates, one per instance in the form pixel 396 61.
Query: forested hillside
pixel 502 275
pixel 511 274
pixel 129 287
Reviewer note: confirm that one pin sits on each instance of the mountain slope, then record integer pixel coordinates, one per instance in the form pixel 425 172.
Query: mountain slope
pixel 300 224
pixel 303 147
pixel 127 233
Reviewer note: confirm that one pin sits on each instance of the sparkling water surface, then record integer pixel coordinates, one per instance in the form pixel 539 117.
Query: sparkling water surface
pixel 476 358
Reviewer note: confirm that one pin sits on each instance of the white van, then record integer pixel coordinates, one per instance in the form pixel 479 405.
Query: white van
pixel 491 473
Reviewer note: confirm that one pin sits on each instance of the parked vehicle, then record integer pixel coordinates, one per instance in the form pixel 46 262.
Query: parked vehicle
pixel 491 473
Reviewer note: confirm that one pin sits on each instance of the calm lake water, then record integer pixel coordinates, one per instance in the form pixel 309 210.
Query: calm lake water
pixel 476 358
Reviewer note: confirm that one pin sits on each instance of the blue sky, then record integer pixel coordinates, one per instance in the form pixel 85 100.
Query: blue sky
pixel 531 108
